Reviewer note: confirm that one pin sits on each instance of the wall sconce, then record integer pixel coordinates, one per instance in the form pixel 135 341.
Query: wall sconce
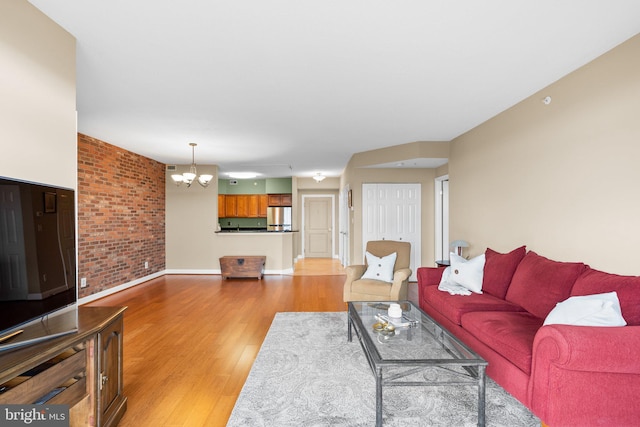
pixel 457 246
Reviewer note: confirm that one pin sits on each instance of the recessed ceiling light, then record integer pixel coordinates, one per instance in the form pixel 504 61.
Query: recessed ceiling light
pixel 243 175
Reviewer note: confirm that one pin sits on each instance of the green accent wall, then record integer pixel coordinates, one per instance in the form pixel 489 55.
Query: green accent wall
pixel 278 185
pixel 255 186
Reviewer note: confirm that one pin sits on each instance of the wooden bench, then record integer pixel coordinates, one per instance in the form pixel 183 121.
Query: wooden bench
pixel 242 266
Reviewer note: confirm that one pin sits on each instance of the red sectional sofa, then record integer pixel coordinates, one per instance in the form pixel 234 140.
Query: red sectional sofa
pixel 566 375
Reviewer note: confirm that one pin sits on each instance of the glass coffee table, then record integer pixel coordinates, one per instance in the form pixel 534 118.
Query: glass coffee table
pixel 416 351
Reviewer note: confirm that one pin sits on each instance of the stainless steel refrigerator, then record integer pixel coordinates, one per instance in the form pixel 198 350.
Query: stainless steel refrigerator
pixel 279 219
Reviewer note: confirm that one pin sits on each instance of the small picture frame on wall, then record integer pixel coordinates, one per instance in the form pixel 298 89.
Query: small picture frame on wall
pixel 350 198
pixel 50 201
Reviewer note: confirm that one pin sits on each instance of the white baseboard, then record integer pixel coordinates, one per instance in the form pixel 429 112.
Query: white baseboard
pixel 219 272
pixel 178 271
pixel 110 291
pixel 106 292
pixel 300 256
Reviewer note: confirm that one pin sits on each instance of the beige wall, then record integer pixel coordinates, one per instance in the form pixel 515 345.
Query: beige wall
pixel 562 178
pixel 191 221
pixel 37 97
pixel 399 153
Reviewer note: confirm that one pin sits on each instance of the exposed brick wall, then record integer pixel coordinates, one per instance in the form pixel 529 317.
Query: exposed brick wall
pixel 121 215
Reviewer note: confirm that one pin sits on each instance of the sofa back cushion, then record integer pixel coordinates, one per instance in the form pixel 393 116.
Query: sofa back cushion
pixel 499 269
pixel 540 283
pixel 627 287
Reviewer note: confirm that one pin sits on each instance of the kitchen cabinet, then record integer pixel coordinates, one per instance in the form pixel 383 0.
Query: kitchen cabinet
pixel 231 206
pixel 279 199
pixel 263 203
pixel 242 205
pixel 256 206
pixel 222 213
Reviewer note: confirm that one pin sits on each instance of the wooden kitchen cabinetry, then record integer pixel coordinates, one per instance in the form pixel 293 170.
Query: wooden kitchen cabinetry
pixel 230 206
pixel 242 205
pixel 258 206
pixel 279 199
pixel 82 370
pixel 222 213
pixel 263 203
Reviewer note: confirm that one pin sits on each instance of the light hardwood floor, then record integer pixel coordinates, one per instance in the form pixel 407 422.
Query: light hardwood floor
pixel 190 341
pixel 318 267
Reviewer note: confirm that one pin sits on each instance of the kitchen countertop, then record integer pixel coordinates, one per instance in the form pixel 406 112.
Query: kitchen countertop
pixel 252 230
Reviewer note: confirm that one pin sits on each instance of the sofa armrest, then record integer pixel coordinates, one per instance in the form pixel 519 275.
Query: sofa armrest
pixel 429 275
pixel 354 272
pixel 400 278
pixel 401 275
pixel 585 348
pixel 583 374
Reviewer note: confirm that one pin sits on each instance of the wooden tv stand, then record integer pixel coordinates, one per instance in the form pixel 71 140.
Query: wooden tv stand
pixel 86 365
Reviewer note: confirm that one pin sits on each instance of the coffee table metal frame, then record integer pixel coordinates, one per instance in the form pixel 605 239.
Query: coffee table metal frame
pixel 460 356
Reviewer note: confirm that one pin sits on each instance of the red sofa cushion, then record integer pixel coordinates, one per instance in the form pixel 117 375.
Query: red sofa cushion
pixel 540 283
pixel 499 269
pixel 509 334
pixel 453 307
pixel 627 287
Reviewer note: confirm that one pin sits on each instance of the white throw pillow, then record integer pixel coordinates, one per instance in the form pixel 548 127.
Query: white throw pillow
pixel 447 285
pixel 380 268
pixel 467 273
pixel 588 310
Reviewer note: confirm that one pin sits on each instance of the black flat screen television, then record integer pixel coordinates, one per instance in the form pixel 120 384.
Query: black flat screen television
pixel 38 286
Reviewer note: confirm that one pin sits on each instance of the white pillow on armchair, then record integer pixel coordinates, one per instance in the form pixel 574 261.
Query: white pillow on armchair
pixel 380 268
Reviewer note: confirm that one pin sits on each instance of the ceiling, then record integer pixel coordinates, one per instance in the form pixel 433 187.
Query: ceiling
pixel 296 87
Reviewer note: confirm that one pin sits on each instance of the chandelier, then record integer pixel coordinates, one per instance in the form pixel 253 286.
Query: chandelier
pixel 192 175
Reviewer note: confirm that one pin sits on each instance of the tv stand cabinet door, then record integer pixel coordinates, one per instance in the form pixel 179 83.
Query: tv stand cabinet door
pixel 111 400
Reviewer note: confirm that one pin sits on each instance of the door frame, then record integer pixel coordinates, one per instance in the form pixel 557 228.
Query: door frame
pixel 333 222
pixel 344 224
pixel 441 232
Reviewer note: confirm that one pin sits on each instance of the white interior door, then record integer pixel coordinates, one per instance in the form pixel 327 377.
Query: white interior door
pixel 318 227
pixel 393 212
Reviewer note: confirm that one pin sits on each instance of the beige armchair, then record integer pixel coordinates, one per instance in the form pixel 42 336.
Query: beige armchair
pixel 358 289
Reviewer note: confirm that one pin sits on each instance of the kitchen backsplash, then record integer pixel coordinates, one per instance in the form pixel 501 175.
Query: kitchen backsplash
pixel 243 222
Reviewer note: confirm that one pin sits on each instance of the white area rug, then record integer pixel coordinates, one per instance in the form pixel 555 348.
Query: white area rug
pixel 307 374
